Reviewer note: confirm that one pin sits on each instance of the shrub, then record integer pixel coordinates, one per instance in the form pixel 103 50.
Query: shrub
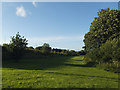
pixel 46 49
pixel 17 46
pixel 6 52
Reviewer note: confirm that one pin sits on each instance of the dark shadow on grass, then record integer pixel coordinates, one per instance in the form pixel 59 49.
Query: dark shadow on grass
pixel 37 64
pixel 78 65
pixel 81 75
pixel 90 64
pixel 78 60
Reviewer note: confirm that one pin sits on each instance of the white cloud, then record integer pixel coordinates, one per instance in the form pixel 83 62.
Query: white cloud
pixel 34 4
pixel 21 11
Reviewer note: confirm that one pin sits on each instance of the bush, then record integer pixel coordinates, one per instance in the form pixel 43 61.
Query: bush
pixel 108 55
pixel 110 51
pixel 6 52
pixel 102 42
pixel 114 67
pixel 32 53
pixel 94 55
pixel 14 50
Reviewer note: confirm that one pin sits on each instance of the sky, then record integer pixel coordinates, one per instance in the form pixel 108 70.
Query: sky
pixel 60 24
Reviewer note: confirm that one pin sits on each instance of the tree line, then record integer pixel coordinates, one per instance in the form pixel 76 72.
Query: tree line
pixel 18 49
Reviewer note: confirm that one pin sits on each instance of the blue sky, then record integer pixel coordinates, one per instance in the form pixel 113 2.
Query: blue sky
pixel 62 25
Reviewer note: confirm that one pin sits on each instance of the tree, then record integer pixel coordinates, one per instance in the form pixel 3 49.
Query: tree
pixel 30 47
pixel 102 42
pixel 82 52
pixel 105 26
pixel 46 49
pixel 39 48
pixel 17 46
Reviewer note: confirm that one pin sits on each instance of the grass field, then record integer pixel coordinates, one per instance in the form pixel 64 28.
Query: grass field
pixel 56 72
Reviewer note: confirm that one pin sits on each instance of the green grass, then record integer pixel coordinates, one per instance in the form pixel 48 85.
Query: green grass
pixel 56 72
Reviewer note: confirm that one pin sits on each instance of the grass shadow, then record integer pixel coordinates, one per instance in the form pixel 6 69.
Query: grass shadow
pixel 78 60
pixel 89 64
pixel 36 64
pixel 78 65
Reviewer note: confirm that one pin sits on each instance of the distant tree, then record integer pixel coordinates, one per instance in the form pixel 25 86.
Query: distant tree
pixel 46 49
pixel 57 50
pixel 30 47
pixel 17 46
pixel 39 48
pixel 82 52
pixel 64 52
pixel 6 46
pixel 72 52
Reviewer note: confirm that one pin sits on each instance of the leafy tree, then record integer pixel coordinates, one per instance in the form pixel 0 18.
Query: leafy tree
pixel 46 49
pixel 102 42
pixel 17 46
pixel 105 26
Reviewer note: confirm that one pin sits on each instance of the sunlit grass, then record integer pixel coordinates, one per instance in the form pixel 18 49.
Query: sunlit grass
pixel 56 72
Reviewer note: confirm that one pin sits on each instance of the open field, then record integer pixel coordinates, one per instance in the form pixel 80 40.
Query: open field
pixel 56 72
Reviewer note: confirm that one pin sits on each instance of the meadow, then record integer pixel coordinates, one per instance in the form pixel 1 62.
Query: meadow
pixel 56 72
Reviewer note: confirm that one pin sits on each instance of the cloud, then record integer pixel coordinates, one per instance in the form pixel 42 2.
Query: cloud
pixel 34 4
pixel 21 11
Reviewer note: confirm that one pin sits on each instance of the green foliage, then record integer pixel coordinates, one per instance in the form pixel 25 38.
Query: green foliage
pixel 116 49
pixel 72 53
pixel 102 42
pixel 94 55
pixel 105 26
pixel 109 53
pixel 39 48
pixel 64 52
pixel 113 67
pixel 111 50
pixel 82 52
pixel 17 46
pixel 6 52
pixel 46 49
pixel 32 54
pixel 30 47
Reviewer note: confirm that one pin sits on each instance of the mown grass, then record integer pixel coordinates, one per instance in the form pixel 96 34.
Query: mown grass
pixel 56 72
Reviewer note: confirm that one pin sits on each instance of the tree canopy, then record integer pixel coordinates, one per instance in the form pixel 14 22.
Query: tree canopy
pixel 104 27
pixel 102 42
pixel 17 46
